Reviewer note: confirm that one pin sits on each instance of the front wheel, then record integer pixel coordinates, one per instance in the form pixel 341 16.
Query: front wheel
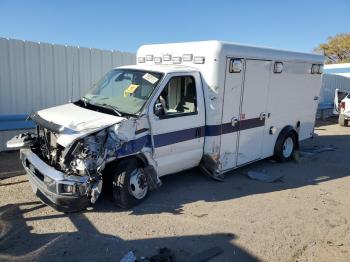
pixel 285 150
pixel 129 184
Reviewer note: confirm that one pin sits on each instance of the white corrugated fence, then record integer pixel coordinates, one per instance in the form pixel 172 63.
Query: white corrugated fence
pixel 40 75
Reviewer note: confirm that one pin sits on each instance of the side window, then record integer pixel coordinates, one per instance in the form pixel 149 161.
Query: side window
pixel 178 98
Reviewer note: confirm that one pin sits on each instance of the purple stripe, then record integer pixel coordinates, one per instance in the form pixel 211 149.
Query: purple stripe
pixel 165 139
pixel 177 136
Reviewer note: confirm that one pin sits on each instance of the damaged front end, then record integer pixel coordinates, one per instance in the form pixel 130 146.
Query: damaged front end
pixel 68 178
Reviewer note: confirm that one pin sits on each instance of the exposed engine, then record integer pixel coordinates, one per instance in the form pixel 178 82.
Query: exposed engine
pixel 88 155
pixel 65 159
pixel 46 146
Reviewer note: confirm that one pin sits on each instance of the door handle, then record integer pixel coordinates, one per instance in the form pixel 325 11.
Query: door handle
pixel 262 115
pixel 234 121
pixel 198 132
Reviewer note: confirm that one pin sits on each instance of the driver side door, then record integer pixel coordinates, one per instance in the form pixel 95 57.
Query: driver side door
pixel 177 119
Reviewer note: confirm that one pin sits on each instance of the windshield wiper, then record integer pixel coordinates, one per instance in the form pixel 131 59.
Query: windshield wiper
pixel 110 107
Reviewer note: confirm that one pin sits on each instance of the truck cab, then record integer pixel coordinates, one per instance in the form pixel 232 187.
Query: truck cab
pixel 154 115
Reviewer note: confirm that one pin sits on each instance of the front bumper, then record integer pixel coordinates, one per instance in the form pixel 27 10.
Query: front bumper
pixel 48 184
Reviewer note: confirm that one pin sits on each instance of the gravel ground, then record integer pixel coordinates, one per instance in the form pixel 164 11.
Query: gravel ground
pixel 304 217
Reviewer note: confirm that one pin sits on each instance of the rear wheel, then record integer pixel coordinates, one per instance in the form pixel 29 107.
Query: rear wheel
pixel 284 151
pixel 342 121
pixel 129 184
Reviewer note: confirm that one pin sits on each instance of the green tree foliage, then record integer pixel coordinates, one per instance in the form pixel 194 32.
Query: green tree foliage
pixel 336 50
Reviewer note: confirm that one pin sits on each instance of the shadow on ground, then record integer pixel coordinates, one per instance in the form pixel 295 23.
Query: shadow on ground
pixel 18 243
pixel 192 186
pixel 10 164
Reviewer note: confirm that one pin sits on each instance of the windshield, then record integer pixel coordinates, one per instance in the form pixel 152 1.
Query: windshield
pixel 125 90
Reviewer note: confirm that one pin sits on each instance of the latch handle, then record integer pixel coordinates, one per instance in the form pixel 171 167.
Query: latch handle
pixel 262 115
pixel 198 132
pixel 234 121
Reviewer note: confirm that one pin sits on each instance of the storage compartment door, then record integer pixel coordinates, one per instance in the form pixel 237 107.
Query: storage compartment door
pixel 253 110
pixel 230 115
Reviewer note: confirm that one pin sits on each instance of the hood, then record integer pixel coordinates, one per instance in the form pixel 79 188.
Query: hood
pixel 74 122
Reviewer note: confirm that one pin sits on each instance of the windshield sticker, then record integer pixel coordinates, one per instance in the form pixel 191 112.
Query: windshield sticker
pixel 130 90
pixel 150 78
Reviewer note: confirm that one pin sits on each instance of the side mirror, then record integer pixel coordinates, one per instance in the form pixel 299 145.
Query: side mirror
pixel 158 109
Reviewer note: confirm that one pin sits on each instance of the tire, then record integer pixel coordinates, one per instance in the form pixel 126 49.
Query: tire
pixel 284 151
pixel 129 184
pixel 342 121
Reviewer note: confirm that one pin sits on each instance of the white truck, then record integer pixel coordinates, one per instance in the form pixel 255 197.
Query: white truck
pixel 342 106
pixel 211 104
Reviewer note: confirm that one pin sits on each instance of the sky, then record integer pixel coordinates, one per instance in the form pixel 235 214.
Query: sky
pixel 125 25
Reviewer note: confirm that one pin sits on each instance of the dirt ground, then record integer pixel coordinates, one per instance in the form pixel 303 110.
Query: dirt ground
pixel 304 217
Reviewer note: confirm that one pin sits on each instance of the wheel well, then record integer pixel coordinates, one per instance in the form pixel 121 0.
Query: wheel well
pixel 142 159
pixel 283 133
pixel 113 164
pixel 296 138
pixel 108 171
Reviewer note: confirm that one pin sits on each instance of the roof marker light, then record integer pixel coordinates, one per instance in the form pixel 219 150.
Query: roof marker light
pixel 176 60
pixel 166 57
pixel 199 60
pixel 235 66
pixel 141 59
pixel 278 67
pixel 187 57
pixel 149 57
pixel 158 60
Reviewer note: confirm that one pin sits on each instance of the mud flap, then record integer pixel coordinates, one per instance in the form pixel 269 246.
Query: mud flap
pixel 95 192
pixel 215 176
pixel 152 178
pixel 209 167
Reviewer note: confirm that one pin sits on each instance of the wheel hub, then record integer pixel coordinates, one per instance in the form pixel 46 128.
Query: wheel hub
pixel 138 184
pixel 288 147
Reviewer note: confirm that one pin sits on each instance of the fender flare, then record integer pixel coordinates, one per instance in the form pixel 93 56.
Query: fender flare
pixel 142 158
pixel 281 136
pixel 139 156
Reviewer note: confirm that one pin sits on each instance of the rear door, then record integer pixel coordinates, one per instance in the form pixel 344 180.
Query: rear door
pixel 244 111
pixel 231 112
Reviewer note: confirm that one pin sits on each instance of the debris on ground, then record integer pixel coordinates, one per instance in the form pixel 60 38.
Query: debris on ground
pixel 164 255
pixel 206 255
pixel 296 156
pixel 129 257
pixel 339 244
pixel 200 216
pixel 263 177
pixel 317 150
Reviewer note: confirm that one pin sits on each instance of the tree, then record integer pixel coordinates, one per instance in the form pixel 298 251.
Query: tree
pixel 336 50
